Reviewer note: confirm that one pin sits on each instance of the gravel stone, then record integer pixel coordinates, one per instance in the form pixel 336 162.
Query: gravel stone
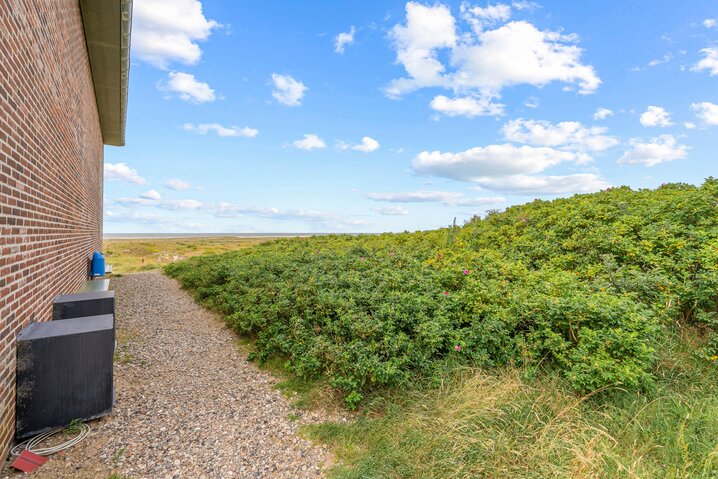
pixel 188 404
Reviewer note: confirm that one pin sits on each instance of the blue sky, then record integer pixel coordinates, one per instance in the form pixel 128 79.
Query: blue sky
pixel 265 117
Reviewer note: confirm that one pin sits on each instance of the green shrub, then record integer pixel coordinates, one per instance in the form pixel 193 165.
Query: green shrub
pixel 584 284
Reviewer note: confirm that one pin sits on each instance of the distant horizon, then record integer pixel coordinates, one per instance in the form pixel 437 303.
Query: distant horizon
pixel 219 235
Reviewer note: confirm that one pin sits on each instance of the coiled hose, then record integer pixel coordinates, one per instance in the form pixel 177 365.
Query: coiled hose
pixel 32 444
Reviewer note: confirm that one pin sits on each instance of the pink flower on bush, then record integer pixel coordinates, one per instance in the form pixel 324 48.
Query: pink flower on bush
pixel 362 258
pixel 439 256
pixel 446 293
pixel 466 272
pixel 457 347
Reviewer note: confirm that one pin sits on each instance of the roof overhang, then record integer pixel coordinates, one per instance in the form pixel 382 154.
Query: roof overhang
pixel 107 26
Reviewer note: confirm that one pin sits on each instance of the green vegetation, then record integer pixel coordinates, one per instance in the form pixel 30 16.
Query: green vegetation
pixel 73 428
pixel 571 338
pixel 139 254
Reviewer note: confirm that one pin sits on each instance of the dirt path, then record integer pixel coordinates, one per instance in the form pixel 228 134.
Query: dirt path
pixel 188 405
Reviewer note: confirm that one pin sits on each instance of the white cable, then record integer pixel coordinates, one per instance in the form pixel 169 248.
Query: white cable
pixel 31 444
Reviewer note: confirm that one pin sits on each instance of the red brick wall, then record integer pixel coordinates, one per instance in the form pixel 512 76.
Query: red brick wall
pixel 50 171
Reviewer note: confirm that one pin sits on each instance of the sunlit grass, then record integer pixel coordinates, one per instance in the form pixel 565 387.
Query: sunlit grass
pixel 132 255
pixel 507 424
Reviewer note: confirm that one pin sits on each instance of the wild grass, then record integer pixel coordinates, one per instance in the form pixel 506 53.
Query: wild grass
pixel 514 423
pixel 133 255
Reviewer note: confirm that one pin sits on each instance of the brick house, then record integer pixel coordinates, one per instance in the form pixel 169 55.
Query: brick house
pixel 64 68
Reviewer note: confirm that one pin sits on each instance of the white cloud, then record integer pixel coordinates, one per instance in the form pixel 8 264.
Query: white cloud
pixel 689 125
pixel 657 150
pixel 544 185
pixel 122 172
pixel 188 88
pixel 482 63
pixel 168 30
pixel 395 210
pixel 447 198
pixel 525 5
pixel 707 112
pixel 710 22
pixel 519 53
pixel 566 135
pixel 490 161
pixel 344 39
pixel 532 102
pixel 229 210
pixel 466 106
pixel 656 116
pixel 223 131
pixel 151 195
pixel 367 145
pixel 174 205
pixel 177 185
pixel 318 218
pixel 602 113
pixel 135 217
pixel 479 17
pixel 710 62
pixel 287 90
pixel 427 29
pixel 658 61
pixel 667 57
pixel 310 141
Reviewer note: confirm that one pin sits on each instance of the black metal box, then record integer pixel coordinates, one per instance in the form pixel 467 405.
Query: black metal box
pixel 64 372
pixel 91 303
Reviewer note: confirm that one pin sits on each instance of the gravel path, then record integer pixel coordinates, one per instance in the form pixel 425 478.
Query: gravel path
pixel 188 404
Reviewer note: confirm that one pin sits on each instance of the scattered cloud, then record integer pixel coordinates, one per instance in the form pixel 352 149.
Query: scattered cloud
pixel 602 113
pixel 466 106
pixel 481 63
pixel 544 185
pixel 667 57
pixel 447 198
pixel 656 116
pixel 532 102
pixel 344 39
pixel 710 22
pixel 177 185
pixel 164 31
pixel 490 161
pixel 188 88
pixel 223 131
pixel 707 112
pixel 566 135
pixel 367 145
pixel 174 205
pixel 658 61
pixel 310 141
pixel 689 125
pixel 709 63
pixel 657 150
pixel 395 210
pixel 525 5
pixel 129 212
pixel 481 17
pixel 151 195
pixel 140 217
pixel 287 90
pixel 122 172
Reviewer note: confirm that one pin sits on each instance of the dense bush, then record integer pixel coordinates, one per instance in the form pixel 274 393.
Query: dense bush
pixel 585 284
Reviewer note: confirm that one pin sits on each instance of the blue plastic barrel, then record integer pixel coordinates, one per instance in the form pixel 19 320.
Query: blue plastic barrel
pixel 98 264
